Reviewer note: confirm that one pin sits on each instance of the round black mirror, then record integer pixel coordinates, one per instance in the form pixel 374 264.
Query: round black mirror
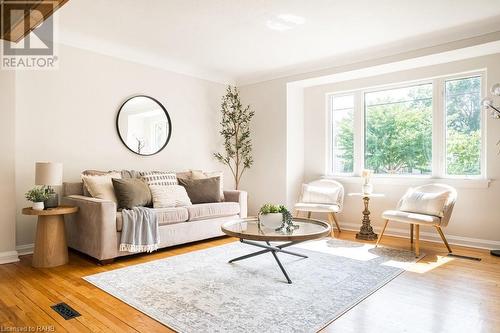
pixel 143 125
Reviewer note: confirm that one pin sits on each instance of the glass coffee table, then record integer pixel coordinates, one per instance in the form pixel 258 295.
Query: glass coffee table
pixel 251 232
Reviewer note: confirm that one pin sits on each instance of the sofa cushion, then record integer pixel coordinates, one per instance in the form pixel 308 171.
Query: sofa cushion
pixel 212 210
pixel 169 196
pixel 165 216
pixel 159 178
pixel 124 175
pixel 101 186
pixel 198 174
pixel 408 217
pixel 202 190
pixel 132 192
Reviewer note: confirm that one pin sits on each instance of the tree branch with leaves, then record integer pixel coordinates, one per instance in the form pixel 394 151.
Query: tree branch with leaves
pixel 235 131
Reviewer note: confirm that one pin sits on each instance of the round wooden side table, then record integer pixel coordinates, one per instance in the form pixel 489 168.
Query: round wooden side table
pixel 51 249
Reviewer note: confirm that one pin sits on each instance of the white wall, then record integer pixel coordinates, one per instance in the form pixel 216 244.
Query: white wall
pixel 294 143
pixel 475 219
pixel 7 148
pixel 476 212
pixel 68 115
pixel 266 180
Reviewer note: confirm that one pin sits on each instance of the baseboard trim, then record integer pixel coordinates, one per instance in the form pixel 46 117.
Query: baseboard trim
pixel 429 236
pixel 8 257
pixel 23 250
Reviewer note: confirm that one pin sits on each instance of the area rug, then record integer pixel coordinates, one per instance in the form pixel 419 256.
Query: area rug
pixel 201 292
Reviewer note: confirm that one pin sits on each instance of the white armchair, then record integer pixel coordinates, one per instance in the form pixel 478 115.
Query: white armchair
pixel 321 196
pixel 429 205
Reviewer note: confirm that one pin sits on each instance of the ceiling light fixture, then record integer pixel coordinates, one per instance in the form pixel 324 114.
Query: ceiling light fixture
pixel 290 18
pixel 276 25
pixel 285 22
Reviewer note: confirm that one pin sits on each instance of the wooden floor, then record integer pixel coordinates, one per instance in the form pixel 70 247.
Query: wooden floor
pixel 439 294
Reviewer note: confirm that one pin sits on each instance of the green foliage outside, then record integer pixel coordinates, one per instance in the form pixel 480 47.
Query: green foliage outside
pixel 463 142
pixel 398 134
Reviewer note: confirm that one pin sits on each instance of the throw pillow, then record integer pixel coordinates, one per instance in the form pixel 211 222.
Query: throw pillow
pixel 202 190
pixel 159 178
pixel 131 192
pixel 198 174
pixel 101 186
pixel 184 174
pixel 169 196
pixel 319 194
pixel 424 203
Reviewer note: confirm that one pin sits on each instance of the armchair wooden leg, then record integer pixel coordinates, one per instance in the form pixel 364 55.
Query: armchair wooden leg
pixel 417 240
pixel 297 213
pixel 308 215
pixel 440 231
pixel 382 233
pixel 411 233
pixel 334 217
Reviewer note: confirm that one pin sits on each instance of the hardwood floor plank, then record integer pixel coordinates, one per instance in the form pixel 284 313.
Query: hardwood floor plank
pixel 438 294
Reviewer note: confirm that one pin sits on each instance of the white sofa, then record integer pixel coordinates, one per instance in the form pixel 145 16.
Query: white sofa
pixel 96 228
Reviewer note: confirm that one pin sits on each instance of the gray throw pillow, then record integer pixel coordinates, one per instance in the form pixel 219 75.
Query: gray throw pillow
pixel 132 192
pixel 202 190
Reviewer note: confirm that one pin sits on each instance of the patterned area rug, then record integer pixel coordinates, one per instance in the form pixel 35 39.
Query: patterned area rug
pixel 201 292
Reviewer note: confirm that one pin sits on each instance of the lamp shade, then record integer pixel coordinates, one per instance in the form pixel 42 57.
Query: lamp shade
pixel 48 173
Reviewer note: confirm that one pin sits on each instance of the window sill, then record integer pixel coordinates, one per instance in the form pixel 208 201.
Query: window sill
pixel 474 183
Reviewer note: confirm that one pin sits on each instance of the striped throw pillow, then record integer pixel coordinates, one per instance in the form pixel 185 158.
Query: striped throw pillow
pixel 159 178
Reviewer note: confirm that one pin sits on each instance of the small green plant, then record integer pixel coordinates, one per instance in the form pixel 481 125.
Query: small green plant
pixel 270 209
pixel 38 194
pixel 287 222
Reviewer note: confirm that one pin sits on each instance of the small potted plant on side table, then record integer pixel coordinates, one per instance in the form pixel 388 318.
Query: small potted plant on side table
pixel 37 196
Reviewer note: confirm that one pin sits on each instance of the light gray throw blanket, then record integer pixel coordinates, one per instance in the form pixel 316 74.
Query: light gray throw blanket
pixel 140 230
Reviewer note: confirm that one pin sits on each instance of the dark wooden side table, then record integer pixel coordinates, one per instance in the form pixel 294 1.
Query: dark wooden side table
pixel 51 249
pixel 366 231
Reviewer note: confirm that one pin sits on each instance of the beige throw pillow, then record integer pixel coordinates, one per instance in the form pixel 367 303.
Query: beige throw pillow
pixel 424 203
pixel 319 194
pixel 101 186
pixel 198 174
pixel 169 196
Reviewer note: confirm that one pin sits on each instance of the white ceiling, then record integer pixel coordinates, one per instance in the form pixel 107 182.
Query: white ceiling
pixel 247 41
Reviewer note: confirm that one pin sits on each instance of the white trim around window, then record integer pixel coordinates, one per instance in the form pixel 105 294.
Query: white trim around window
pixel 438 172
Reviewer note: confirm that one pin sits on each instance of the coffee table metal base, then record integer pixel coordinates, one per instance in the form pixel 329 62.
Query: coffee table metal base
pixel 273 249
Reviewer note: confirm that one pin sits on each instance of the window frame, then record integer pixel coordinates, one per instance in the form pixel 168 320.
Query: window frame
pixel 438 164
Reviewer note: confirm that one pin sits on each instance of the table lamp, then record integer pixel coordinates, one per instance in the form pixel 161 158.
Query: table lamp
pixel 49 174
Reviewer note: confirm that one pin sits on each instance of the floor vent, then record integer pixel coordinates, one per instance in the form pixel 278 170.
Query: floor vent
pixel 66 311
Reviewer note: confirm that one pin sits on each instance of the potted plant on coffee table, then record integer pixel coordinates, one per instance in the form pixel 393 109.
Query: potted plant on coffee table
pixel 277 217
pixel 37 195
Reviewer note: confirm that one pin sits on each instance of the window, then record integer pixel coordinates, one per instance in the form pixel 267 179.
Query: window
pixel 343 136
pixel 429 128
pixel 463 126
pixel 398 130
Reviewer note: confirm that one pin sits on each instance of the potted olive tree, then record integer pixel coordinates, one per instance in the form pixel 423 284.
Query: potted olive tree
pixel 235 131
